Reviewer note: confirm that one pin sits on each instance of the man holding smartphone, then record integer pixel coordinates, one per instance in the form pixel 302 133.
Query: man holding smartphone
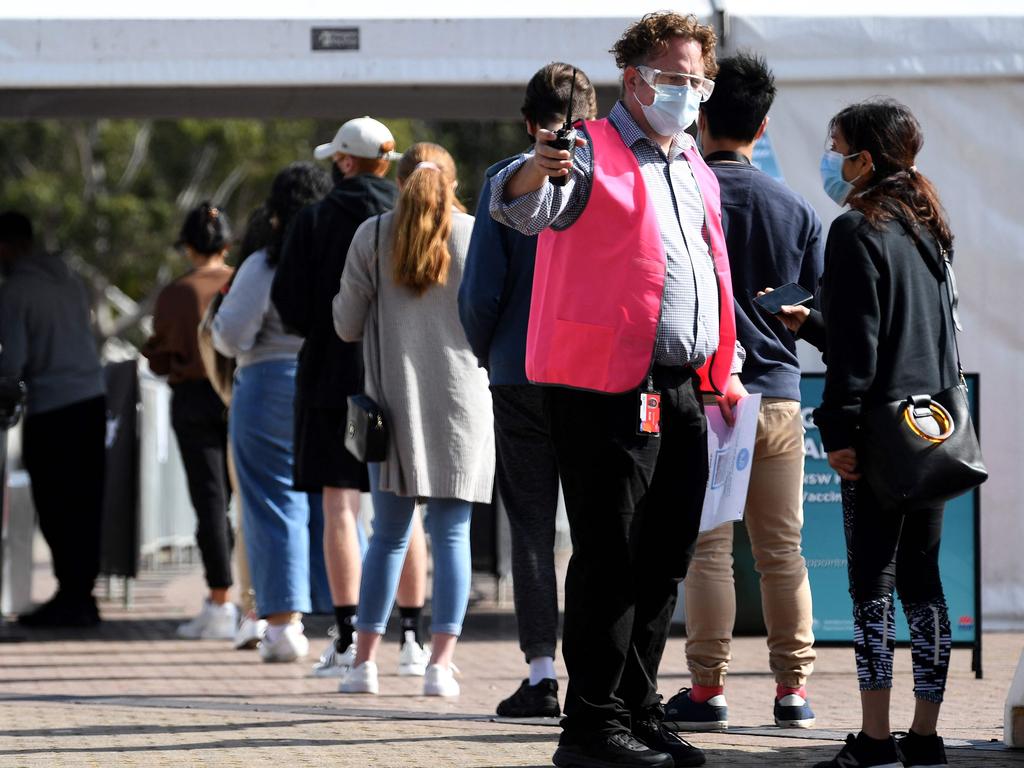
pixel 774 239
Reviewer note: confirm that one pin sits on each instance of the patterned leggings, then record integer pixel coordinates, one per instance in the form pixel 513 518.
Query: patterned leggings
pixel 887 549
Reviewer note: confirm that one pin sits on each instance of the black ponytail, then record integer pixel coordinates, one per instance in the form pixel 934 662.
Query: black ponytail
pixel 206 229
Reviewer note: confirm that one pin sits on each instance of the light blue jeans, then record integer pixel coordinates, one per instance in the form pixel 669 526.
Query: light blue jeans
pixel 447 522
pixel 283 527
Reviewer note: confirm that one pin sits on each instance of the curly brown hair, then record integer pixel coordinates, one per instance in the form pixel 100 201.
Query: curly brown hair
pixel 645 39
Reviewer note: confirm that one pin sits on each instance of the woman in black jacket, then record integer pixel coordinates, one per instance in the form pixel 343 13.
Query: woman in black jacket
pixel 887 332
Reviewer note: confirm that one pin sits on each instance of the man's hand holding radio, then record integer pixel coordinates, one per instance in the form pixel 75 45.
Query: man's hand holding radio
pixel 546 161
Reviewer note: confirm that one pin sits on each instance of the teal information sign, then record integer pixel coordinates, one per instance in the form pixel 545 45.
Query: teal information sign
pixel 824 544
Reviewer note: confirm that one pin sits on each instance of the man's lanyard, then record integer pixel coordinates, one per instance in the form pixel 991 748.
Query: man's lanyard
pixel 726 155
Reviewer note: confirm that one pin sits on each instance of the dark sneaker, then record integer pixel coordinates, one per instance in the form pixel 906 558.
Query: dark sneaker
pixel 921 751
pixel 656 736
pixel 616 750
pixel 793 711
pixel 684 714
pixel 63 611
pixel 861 751
pixel 540 700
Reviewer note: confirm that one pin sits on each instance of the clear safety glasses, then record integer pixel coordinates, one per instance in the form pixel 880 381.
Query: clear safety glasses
pixel 656 77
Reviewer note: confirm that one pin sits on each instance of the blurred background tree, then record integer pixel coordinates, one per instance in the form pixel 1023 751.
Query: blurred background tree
pixel 111 194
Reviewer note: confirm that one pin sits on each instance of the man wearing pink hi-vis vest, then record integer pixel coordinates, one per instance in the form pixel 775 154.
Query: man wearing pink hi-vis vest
pixel 631 319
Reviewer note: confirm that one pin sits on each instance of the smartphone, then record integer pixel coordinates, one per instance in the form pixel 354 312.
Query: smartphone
pixel 789 294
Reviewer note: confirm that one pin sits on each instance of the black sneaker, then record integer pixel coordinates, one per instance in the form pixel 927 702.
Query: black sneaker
pixel 540 700
pixel 684 714
pixel 63 611
pixel 655 735
pixel 922 751
pixel 616 750
pixel 862 751
pixel 793 711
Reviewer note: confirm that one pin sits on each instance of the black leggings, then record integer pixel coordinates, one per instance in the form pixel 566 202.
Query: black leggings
pixel 892 549
pixel 200 424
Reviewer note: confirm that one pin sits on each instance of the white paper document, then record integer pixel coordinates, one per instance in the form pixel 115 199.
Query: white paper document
pixel 730 454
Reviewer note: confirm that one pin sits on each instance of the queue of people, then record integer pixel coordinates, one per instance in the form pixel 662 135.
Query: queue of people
pixel 571 335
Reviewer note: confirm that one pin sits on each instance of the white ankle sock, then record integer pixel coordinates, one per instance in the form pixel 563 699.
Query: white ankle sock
pixel 274 632
pixel 542 668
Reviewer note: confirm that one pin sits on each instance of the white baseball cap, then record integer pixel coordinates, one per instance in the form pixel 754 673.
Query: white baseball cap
pixel 361 137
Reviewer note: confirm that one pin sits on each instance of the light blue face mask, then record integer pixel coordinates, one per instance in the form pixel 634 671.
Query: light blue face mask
pixel 674 109
pixel 832 179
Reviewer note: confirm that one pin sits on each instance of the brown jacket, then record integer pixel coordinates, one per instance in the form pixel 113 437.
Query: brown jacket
pixel 173 349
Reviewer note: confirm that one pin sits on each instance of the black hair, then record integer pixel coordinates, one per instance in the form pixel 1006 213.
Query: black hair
pixel 896 190
pixel 206 229
pixel 16 230
pixel 547 95
pixel 258 232
pixel 295 187
pixel 744 92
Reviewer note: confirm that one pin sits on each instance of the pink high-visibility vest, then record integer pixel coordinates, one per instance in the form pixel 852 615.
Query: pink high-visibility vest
pixel 598 283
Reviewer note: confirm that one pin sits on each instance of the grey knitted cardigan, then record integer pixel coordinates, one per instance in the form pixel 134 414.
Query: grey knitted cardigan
pixel 433 393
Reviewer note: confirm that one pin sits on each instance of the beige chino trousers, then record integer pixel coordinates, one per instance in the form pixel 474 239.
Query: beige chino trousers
pixel 774 518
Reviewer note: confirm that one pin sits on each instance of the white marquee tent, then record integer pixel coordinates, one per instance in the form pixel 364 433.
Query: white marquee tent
pixel 960 67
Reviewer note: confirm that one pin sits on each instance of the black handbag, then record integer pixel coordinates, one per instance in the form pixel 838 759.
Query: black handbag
pixel 366 429
pixel 12 401
pixel 924 449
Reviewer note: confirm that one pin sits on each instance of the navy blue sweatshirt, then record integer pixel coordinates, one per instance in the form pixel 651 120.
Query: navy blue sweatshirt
pixel 774 237
pixel 494 297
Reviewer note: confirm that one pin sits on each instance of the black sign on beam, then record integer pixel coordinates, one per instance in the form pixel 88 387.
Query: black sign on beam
pixel 335 38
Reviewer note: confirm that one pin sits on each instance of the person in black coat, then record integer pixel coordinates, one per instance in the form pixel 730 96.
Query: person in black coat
pixel 887 331
pixel 311 262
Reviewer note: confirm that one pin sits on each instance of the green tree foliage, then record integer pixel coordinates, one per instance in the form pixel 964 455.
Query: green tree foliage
pixel 113 193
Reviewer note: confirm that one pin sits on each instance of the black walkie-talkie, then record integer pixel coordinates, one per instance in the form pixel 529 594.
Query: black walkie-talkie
pixel 565 137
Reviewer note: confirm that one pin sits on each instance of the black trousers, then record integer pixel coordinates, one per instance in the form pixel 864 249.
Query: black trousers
pixel 65 455
pixel 528 482
pixel 634 505
pixel 200 424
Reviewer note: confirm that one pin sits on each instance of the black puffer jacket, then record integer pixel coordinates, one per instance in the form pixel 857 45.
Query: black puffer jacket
pixel 307 280
pixel 888 327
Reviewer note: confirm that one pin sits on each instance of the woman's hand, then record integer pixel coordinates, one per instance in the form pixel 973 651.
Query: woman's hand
pixel 844 462
pixel 791 316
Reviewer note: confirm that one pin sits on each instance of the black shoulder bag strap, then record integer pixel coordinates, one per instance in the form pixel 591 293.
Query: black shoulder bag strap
pixel 953 295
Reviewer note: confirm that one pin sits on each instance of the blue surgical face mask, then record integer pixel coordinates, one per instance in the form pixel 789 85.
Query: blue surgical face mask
pixel 832 179
pixel 674 109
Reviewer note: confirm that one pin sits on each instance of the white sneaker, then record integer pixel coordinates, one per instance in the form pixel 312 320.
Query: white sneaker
pixel 413 658
pixel 440 681
pixel 334 664
pixel 214 622
pixel 283 645
pixel 361 679
pixel 250 632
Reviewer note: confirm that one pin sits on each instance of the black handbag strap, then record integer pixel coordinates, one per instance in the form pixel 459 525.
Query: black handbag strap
pixel 953 295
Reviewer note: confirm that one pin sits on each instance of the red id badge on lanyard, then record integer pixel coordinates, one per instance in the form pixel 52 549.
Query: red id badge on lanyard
pixel 650 413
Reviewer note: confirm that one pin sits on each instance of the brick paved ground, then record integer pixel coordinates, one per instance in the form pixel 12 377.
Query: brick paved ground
pixel 128 694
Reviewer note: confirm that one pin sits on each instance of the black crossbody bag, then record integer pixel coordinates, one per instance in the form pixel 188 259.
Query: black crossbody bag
pixel 924 450
pixel 366 429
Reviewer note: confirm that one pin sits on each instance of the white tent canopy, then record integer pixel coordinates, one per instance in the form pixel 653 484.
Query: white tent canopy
pixel 960 67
